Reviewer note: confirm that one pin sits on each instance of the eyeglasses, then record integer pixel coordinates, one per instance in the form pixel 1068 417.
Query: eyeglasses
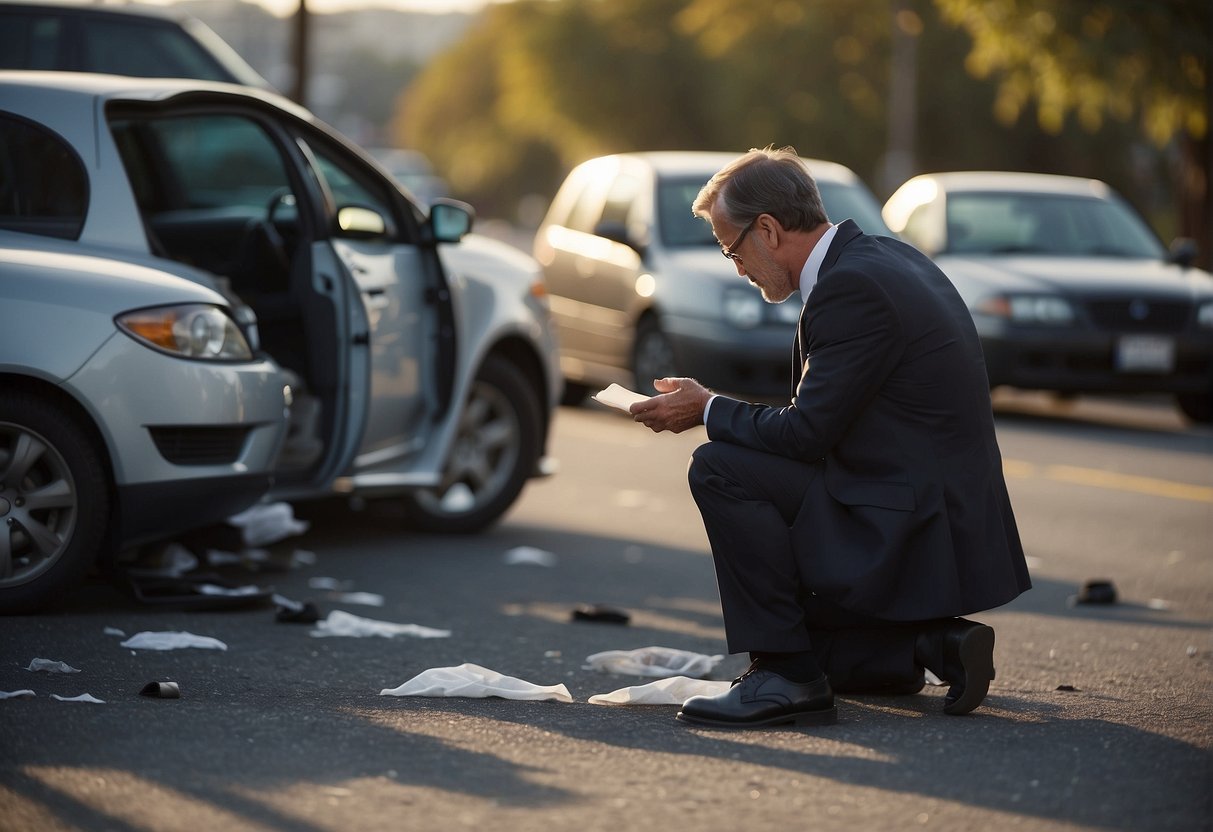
pixel 729 251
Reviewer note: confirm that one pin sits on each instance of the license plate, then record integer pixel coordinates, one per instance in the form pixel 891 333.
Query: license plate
pixel 1145 354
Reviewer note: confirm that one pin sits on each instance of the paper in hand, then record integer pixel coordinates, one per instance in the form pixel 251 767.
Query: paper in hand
pixel 619 397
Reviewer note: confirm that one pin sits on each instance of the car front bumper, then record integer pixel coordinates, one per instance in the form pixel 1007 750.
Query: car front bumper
pixel 1090 362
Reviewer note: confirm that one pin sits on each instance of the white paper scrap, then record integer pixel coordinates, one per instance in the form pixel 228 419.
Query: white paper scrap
pixel 328 583
pixel 478 682
pixel 267 523
pixel 114 631
pixel 230 592
pixel 302 557
pixel 619 397
pixel 84 697
pixel 341 623
pixel 530 556
pixel 17 694
pixel 672 691
pixel 171 641
pixel 654 661
pixel 51 666
pixel 369 599
pixel 287 603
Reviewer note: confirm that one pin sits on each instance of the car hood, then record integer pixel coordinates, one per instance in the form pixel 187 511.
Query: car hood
pixel 703 263
pixel 1077 275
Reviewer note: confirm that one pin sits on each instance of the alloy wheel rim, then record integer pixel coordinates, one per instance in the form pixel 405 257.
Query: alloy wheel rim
pixel 38 504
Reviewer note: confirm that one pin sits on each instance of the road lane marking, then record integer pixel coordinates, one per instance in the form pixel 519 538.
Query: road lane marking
pixel 1097 478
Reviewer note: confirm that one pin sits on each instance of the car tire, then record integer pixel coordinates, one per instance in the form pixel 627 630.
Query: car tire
pixel 54 502
pixel 1196 406
pixel 493 455
pixel 652 356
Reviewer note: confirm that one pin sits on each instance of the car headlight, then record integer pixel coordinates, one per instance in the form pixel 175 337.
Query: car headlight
pixel 1204 315
pixel 188 331
pixel 743 308
pixel 1046 310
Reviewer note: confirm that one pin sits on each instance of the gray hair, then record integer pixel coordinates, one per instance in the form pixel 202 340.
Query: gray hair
pixel 766 181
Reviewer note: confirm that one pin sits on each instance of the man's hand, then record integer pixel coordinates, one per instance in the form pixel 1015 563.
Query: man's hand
pixel 677 407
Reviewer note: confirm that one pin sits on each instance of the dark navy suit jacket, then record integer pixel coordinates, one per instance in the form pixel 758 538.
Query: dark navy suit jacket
pixel 908 516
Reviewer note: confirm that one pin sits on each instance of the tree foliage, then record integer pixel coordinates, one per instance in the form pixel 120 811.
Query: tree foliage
pixel 539 85
pixel 1111 58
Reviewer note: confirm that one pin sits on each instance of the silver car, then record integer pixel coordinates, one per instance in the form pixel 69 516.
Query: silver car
pixel 638 287
pixel 1070 289
pixel 419 357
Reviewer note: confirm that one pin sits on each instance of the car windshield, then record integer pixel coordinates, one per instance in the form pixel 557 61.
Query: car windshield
pixel 1052 224
pixel 680 228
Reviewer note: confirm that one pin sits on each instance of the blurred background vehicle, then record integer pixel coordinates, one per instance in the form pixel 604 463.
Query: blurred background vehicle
pixel 138 40
pixel 412 170
pixel 1070 289
pixel 638 287
pixel 131 404
pixel 420 356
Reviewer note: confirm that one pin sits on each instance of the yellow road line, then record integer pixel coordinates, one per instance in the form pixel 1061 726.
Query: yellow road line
pixel 1097 478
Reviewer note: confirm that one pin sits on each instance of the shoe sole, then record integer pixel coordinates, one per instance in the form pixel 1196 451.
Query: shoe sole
pixel 977 659
pixel 828 716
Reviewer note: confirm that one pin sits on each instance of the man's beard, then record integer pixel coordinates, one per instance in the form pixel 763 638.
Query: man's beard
pixel 776 285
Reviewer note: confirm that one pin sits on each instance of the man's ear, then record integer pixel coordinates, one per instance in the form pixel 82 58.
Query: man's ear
pixel 769 228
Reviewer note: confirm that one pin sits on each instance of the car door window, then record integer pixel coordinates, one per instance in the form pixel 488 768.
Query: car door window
pixel 144 49
pixel 43 186
pixel 353 188
pixel 29 41
pixel 214 192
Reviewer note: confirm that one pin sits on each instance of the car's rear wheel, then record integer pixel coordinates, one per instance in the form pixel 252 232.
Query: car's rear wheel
pixel 54 502
pixel 652 356
pixel 1196 406
pixel 494 452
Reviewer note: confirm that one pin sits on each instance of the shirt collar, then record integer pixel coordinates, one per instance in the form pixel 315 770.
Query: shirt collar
pixel 808 275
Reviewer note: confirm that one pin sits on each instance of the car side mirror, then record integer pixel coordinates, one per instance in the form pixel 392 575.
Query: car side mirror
pixel 1183 252
pixel 450 220
pixel 360 223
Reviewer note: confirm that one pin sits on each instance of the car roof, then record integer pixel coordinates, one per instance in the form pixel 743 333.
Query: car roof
pixel 1000 180
pixel 123 87
pixel 706 162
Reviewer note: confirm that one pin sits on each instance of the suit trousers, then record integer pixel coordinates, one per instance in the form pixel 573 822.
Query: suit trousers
pixel 749 500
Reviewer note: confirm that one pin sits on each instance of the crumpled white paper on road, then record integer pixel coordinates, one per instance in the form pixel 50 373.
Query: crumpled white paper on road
pixel 472 680
pixel 84 697
pixel 171 641
pixel 654 661
pixel 51 666
pixel 529 556
pixel 267 523
pixel 672 691
pixel 341 623
pixel 17 694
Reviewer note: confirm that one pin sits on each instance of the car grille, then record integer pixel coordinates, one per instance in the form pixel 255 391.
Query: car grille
pixel 200 446
pixel 1140 315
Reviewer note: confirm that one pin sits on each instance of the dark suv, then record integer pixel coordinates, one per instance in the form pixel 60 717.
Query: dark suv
pixel 143 41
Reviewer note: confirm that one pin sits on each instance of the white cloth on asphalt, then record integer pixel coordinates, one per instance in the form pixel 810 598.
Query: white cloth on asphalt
pixel 478 682
pixel 171 641
pixel 654 661
pixel 341 623
pixel 671 691
pixel 51 666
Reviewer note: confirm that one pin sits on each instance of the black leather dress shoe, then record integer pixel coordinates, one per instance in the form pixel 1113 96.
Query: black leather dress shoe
pixel 760 698
pixel 960 652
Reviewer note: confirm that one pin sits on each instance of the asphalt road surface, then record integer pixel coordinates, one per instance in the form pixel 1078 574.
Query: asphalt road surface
pixel 1100 718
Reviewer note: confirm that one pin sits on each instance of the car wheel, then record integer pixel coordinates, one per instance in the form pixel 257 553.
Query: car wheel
pixel 652 357
pixel 54 502
pixel 494 453
pixel 1197 406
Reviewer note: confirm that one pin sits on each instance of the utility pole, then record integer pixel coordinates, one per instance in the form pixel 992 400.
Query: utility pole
pixel 299 53
pixel 899 161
